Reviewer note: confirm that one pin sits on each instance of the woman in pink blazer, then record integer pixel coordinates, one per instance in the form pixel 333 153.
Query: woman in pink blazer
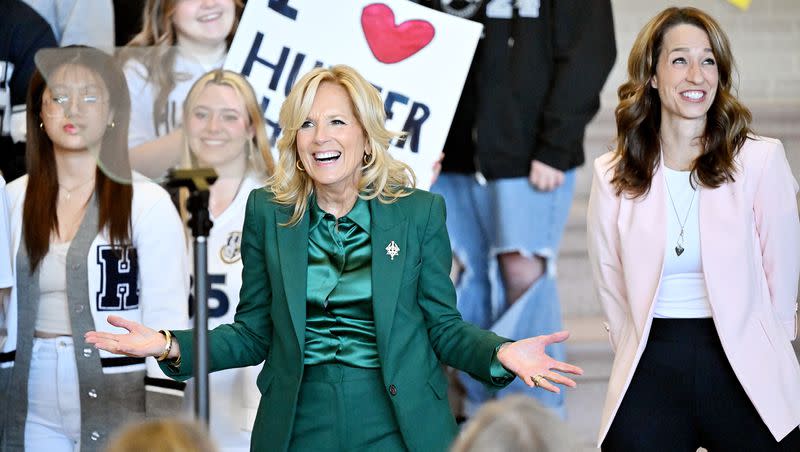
pixel 694 243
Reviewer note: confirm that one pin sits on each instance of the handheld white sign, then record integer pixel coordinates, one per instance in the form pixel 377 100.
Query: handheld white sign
pixel 417 57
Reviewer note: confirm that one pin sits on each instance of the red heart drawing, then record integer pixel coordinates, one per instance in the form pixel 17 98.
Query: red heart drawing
pixel 392 43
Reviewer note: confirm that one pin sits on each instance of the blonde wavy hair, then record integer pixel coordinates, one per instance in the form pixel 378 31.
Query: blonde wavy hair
pixel 383 177
pixel 161 435
pixel 259 156
pixel 155 46
pixel 516 423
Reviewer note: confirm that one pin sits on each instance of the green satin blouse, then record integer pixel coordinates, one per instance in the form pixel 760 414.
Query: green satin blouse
pixel 340 327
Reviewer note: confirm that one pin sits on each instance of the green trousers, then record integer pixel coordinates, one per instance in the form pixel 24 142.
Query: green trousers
pixel 342 408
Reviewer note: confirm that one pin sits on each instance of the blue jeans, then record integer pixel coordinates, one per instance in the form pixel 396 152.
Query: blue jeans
pixel 507 215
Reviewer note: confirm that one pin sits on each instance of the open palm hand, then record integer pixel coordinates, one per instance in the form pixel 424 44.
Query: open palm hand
pixel 528 360
pixel 140 341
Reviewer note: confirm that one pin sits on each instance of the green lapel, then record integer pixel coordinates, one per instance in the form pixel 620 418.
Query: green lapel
pixel 293 257
pixel 389 224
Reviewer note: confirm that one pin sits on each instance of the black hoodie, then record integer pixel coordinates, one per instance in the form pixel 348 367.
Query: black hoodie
pixel 533 86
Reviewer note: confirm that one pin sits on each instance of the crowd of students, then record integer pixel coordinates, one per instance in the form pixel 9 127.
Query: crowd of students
pixel 87 231
pixel 87 112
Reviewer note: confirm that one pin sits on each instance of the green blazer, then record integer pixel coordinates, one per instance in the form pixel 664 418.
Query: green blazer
pixel 416 320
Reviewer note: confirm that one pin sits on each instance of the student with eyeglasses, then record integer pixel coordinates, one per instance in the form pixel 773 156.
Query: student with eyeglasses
pixel 87 242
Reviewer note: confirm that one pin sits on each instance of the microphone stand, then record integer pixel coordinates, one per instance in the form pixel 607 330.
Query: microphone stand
pixel 198 181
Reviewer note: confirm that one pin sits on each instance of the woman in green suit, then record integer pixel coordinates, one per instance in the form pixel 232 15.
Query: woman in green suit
pixel 345 292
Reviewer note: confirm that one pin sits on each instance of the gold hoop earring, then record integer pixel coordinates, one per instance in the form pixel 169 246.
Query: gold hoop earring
pixel 299 166
pixel 368 158
pixel 255 160
pixel 250 149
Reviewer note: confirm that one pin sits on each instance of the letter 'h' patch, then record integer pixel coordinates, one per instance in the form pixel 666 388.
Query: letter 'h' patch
pixel 119 278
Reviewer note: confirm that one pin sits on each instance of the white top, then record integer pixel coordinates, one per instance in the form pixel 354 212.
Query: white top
pixel 83 22
pixel 147 283
pixel 142 128
pixel 233 392
pixel 53 314
pixel 682 293
pixel 6 275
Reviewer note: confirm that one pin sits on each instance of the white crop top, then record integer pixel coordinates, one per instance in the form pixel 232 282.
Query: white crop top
pixel 53 315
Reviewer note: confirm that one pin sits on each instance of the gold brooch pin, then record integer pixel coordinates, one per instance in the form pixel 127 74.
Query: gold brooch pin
pixel 392 250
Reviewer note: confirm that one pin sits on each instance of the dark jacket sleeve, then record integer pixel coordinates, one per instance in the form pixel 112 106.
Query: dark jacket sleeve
pixel 245 342
pixel 22 33
pixel 457 343
pixel 584 52
pixel 30 33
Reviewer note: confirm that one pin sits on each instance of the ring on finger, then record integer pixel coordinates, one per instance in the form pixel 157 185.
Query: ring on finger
pixel 538 380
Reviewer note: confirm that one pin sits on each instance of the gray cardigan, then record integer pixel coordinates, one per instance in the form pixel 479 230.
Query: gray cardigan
pixel 107 400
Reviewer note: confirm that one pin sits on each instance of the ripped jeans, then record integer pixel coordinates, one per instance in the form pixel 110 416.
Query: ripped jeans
pixel 506 215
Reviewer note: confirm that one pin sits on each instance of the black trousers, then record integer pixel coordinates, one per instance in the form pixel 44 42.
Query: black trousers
pixel 684 395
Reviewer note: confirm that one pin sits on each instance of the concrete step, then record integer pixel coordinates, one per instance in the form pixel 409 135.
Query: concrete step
pixel 574 240
pixel 574 273
pixel 576 288
pixel 588 348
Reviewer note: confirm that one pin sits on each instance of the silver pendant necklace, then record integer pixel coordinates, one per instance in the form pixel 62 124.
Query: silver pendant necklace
pixel 680 242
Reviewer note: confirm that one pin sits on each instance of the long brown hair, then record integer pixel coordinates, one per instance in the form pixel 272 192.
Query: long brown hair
pixel 638 114
pixel 159 37
pixel 39 219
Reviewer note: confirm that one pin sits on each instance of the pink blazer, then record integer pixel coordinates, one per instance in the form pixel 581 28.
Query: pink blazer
pixel 750 247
